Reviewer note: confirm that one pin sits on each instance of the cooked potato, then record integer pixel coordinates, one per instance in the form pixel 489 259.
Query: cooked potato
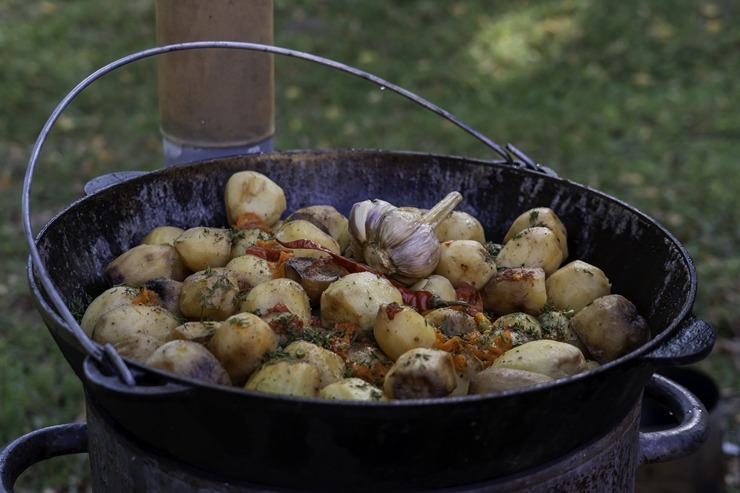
pixel 398 328
pixel 438 285
pixel 167 293
pixel 610 327
pixel 199 331
pixel 304 230
pixel 330 365
pixel 552 358
pixel 537 246
pixel 494 379
pixel 286 377
pixel 355 298
pixel 352 389
pixel 243 238
pixel 314 275
pixel 135 331
pixel 162 235
pixel 575 285
pixel 460 225
pixel 540 216
pixel 516 289
pixel 250 271
pixel 277 295
pixel 189 359
pixel 146 262
pixel 106 301
pixel 420 373
pixel 522 327
pixel 211 294
pixel 240 342
pixel 465 261
pixel 328 219
pixel 451 322
pixel 555 324
pixel 201 247
pixel 253 192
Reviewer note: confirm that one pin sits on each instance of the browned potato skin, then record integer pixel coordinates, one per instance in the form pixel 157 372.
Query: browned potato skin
pixel 494 379
pixel 518 289
pixel 610 327
pixel 420 373
pixel 189 359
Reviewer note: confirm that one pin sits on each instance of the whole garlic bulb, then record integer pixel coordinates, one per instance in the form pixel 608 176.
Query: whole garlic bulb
pixel 399 243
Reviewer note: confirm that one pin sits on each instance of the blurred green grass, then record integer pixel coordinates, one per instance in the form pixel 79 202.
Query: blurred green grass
pixel 638 99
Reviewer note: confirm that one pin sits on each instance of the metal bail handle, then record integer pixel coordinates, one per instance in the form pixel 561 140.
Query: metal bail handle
pixel 107 355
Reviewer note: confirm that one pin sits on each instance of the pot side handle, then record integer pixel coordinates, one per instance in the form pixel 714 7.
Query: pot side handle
pixel 147 385
pixel 691 342
pixel 686 438
pixel 38 446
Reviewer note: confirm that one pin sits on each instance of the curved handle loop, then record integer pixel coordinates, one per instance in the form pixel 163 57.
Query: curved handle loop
pixel 37 446
pixel 690 433
pixel 691 342
pixel 108 355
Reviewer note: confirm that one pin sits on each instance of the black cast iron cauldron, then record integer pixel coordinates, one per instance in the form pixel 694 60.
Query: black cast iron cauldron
pixel 339 446
pixel 119 464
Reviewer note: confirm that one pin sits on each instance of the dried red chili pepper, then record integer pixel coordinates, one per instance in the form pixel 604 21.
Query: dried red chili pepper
pixel 422 301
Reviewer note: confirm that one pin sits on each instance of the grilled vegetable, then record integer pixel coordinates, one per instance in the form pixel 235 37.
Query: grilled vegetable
pixel 399 243
pixel 610 327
